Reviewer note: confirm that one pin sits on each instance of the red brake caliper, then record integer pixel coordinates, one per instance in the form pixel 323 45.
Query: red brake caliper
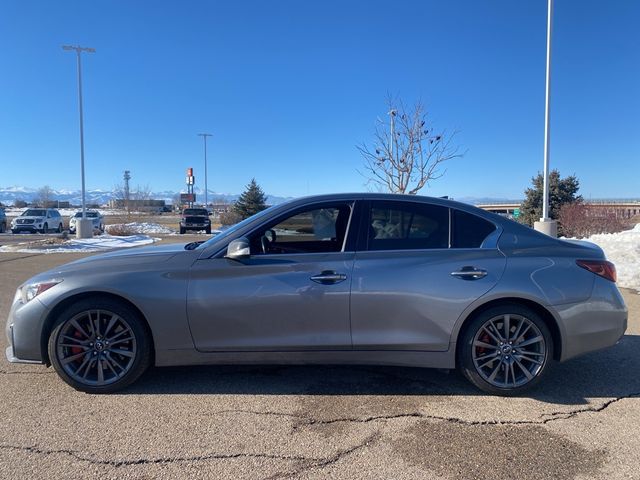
pixel 76 350
pixel 486 339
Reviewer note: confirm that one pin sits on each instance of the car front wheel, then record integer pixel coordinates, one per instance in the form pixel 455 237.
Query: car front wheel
pixel 506 350
pixel 99 346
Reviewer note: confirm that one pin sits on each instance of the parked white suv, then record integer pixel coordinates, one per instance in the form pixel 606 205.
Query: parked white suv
pixel 38 220
pixel 96 218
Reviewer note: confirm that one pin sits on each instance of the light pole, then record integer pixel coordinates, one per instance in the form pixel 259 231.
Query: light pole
pixel 392 115
pixel 204 137
pixel 83 230
pixel 547 225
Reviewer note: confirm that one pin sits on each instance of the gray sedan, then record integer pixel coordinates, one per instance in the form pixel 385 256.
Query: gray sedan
pixel 339 279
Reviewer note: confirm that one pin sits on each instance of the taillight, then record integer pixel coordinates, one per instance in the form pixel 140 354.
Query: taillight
pixel 599 267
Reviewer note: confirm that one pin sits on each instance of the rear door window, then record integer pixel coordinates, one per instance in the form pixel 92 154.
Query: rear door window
pixel 407 226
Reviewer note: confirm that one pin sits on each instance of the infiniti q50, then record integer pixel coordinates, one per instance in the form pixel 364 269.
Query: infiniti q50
pixel 333 279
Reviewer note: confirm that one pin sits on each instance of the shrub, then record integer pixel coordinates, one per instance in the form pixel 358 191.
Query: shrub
pixel 580 220
pixel 230 217
pixel 121 230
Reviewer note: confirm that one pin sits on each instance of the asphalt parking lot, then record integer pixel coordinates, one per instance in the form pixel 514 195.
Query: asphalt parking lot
pixel 319 422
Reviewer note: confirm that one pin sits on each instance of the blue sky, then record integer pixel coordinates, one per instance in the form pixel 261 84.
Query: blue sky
pixel 289 88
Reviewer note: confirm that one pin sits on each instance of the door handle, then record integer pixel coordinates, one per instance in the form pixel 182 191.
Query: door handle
pixel 329 277
pixel 469 273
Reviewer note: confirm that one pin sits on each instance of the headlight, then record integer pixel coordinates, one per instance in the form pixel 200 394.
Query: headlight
pixel 32 290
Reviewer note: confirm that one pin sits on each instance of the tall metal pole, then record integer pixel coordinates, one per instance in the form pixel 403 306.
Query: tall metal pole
pixel 547 133
pixel 392 114
pixel 84 204
pixel 204 136
pixel 78 49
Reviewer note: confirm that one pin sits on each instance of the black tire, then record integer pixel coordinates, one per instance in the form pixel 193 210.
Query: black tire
pixel 60 228
pixel 14 230
pixel 138 350
pixel 182 230
pixel 3 227
pixel 208 230
pixel 482 361
pixel 45 228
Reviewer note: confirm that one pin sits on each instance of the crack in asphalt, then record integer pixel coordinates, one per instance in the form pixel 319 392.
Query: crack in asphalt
pixel 5 260
pixel 552 417
pixel 151 461
pixel 308 463
pixel 312 465
pixel 4 372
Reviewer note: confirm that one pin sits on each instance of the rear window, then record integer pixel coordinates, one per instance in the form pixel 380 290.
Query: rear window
pixel 89 214
pixel 469 231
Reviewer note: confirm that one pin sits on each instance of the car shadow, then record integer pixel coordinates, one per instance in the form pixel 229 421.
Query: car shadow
pixel 608 373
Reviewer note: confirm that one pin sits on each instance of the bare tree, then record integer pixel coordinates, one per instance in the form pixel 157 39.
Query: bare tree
pixel 123 197
pixel 142 194
pixel 44 196
pixel 176 203
pixel 407 152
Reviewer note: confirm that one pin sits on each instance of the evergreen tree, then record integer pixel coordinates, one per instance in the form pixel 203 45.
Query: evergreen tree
pixel 561 192
pixel 252 201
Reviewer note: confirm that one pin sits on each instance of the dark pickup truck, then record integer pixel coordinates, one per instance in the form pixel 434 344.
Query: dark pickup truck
pixel 195 219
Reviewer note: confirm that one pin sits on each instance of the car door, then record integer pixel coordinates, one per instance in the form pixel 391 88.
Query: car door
pixel 292 293
pixel 417 268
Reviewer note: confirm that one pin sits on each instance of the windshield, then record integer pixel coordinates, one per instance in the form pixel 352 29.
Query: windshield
pixel 34 213
pixel 194 211
pixel 89 214
pixel 234 228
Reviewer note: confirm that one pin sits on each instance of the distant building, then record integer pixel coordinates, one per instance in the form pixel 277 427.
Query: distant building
pixel 621 208
pixel 57 204
pixel 150 206
pixel 218 208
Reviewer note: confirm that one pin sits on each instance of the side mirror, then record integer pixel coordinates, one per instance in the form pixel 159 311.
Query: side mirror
pixel 239 249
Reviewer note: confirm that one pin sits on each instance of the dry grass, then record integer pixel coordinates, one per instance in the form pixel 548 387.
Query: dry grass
pixel 121 230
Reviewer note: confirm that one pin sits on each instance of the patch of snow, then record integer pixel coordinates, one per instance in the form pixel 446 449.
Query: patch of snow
pixel 85 245
pixel 623 249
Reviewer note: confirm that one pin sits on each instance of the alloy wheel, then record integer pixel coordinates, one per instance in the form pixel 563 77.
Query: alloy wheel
pixel 96 347
pixel 509 351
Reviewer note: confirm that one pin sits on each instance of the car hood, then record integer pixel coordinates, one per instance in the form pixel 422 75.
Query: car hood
pixel 119 261
pixel 156 252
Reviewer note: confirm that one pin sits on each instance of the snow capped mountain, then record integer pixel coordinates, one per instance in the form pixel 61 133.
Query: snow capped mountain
pixel 8 195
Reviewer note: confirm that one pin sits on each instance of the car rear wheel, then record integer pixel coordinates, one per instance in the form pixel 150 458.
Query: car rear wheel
pixel 59 228
pixel 99 346
pixel 506 350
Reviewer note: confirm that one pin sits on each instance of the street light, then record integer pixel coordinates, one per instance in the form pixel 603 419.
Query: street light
pixel 83 230
pixel 547 225
pixel 204 137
